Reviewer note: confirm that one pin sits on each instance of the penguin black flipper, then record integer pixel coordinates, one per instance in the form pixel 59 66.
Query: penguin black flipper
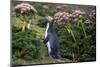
pixel 46 39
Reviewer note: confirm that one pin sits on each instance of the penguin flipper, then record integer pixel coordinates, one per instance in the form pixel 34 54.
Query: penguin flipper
pixel 46 40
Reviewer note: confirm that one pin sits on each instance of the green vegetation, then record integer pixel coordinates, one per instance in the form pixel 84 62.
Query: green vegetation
pixel 77 39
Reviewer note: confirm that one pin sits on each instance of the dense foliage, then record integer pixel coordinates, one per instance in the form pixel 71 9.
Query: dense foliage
pixel 77 38
pixel 79 48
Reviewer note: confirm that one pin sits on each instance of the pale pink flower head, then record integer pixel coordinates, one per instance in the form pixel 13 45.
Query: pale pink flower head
pixel 78 14
pixel 62 17
pixel 93 14
pixel 25 8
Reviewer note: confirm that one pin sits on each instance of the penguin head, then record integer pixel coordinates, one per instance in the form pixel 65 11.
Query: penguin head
pixel 49 18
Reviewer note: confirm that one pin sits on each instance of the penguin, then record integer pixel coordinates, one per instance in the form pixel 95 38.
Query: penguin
pixel 51 41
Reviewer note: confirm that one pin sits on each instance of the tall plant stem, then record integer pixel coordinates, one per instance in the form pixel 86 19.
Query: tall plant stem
pixel 24 25
pixel 72 34
pixel 68 27
pixel 82 24
pixel 28 26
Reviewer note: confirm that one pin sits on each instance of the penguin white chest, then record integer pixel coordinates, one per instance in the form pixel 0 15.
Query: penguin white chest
pixel 48 45
pixel 46 34
pixel 46 30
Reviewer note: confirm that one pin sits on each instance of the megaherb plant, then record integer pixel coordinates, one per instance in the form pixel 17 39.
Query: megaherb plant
pixel 75 24
pixel 25 12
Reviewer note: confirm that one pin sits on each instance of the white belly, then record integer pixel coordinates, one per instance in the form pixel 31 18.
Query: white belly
pixel 46 30
pixel 48 43
pixel 49 47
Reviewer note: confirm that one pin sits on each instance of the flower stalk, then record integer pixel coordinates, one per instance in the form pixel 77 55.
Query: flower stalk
pixel 24 26
pixel 68 27
pixel 83 28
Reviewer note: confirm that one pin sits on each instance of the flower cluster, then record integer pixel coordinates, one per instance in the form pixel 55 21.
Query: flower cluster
pixel 93 14
pixel 24 8
pixel 77 14
pixel 65 16
pixel 61 16
pixel 25 12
